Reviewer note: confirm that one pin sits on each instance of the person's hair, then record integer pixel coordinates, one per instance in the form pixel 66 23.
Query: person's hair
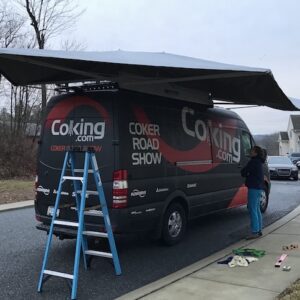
pixel 261 153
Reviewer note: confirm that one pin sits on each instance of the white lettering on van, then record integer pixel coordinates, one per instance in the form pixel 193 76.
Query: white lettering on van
pixel 199 129
pixel 143 129
pixel 184 112
pixel 138 193
pixel 228 146
pixel 145 145
pixel 148 158
pixel 84 131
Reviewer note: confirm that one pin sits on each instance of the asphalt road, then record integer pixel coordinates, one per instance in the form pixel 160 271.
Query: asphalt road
pixel 142 260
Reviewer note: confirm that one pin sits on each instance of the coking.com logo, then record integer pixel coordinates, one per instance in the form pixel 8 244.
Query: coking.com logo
pixel 225 142
pixel 82 130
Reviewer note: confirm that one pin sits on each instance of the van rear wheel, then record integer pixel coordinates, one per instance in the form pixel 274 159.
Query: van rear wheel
pixel 174 224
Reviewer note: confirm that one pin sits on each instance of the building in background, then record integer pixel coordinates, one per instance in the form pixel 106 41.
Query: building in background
pixel 289 141
pixel 283 143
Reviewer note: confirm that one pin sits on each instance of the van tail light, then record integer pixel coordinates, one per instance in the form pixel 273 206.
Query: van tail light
pixel 120 189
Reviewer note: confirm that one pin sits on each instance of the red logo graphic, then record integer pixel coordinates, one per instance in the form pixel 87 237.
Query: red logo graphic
pixel 61 110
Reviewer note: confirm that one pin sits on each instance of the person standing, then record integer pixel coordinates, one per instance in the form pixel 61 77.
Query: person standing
pixel 253 172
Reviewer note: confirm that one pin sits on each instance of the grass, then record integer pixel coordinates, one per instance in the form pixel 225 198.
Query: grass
pixel 14 190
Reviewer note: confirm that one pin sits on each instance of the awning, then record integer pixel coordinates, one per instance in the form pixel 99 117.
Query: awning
pixel 164 74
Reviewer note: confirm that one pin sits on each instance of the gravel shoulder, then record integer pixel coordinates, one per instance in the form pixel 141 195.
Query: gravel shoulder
pixel 291 293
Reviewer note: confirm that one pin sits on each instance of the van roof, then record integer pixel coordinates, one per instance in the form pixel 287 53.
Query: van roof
pixel 220 111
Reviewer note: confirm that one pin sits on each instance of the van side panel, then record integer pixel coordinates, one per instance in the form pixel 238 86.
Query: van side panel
pixel 170 146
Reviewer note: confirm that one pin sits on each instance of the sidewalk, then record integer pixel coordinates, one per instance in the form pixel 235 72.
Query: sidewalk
pixel 16 205
pixel 260 280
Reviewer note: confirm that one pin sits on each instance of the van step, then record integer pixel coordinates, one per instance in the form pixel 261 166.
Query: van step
pixel 95 213
pixel 59 274
pixel 72 178
pixel 95 233
pixel 66 223
pixel 98 253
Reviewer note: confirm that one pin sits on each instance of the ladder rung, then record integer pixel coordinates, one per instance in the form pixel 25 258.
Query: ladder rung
pixel 72 178
pixel 95 213
pixel 59 274
pixel 66 223
pixel 88 192
pixel 95 233
pixel 82 170
pixel 98 253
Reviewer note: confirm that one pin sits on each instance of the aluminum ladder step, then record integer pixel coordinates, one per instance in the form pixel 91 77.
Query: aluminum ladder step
pixel 66 223
pixel 88 192
pixel 59 274
pixel 72 178
pixel 95 233
pixel 95 213
pixel 98 253
pixel 90 171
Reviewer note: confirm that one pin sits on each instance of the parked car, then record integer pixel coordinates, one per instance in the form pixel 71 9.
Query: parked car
pixel 294 157
pixel 282 167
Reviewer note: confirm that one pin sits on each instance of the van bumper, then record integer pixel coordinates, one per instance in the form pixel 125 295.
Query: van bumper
pixel 123 221
pixel 68 232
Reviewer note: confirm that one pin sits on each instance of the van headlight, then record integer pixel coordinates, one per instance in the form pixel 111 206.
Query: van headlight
pixel 294 168
pixel 272 169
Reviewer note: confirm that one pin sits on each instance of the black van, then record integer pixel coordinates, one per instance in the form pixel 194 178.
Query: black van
pixel 162 161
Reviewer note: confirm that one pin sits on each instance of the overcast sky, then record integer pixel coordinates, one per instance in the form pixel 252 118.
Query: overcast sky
pixel 249 32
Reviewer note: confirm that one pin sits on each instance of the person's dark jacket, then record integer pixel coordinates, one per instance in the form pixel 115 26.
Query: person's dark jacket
pixel 254 174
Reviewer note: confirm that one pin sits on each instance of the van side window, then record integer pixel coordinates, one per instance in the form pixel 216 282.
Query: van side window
pixel 246 142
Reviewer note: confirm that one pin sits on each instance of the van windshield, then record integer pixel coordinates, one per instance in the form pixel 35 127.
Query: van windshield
pixel 279 160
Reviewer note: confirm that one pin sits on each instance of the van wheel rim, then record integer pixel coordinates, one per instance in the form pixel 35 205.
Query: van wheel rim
pixel 174 224
pixel 263 199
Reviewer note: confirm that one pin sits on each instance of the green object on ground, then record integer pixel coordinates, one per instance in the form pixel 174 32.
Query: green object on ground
pixel 249 252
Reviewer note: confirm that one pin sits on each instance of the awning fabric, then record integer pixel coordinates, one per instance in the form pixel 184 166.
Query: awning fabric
pixel 163 74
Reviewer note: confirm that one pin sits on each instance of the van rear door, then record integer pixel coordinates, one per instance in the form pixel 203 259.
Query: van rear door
pixel 73 120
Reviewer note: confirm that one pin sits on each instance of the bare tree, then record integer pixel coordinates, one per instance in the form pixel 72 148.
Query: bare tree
pixel 49 18
pixel 72 45
pixel 11 23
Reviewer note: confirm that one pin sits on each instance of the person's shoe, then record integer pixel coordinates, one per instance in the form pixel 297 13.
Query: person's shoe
pixel 253 236
pixel 260 233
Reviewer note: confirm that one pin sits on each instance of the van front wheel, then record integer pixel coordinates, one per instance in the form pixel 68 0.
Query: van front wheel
pixel 264 200
pixel 174 224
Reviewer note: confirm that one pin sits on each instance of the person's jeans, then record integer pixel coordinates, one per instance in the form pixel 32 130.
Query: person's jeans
pixel 254 209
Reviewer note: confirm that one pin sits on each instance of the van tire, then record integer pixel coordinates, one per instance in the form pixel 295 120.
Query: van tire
pixel 174 224
pixel 264 202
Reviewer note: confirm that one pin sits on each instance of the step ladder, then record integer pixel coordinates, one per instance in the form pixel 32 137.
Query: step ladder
pixel 81 242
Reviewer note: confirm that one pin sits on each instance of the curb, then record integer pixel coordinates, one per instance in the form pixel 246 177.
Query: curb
pixel 201 264
pixel 16 205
